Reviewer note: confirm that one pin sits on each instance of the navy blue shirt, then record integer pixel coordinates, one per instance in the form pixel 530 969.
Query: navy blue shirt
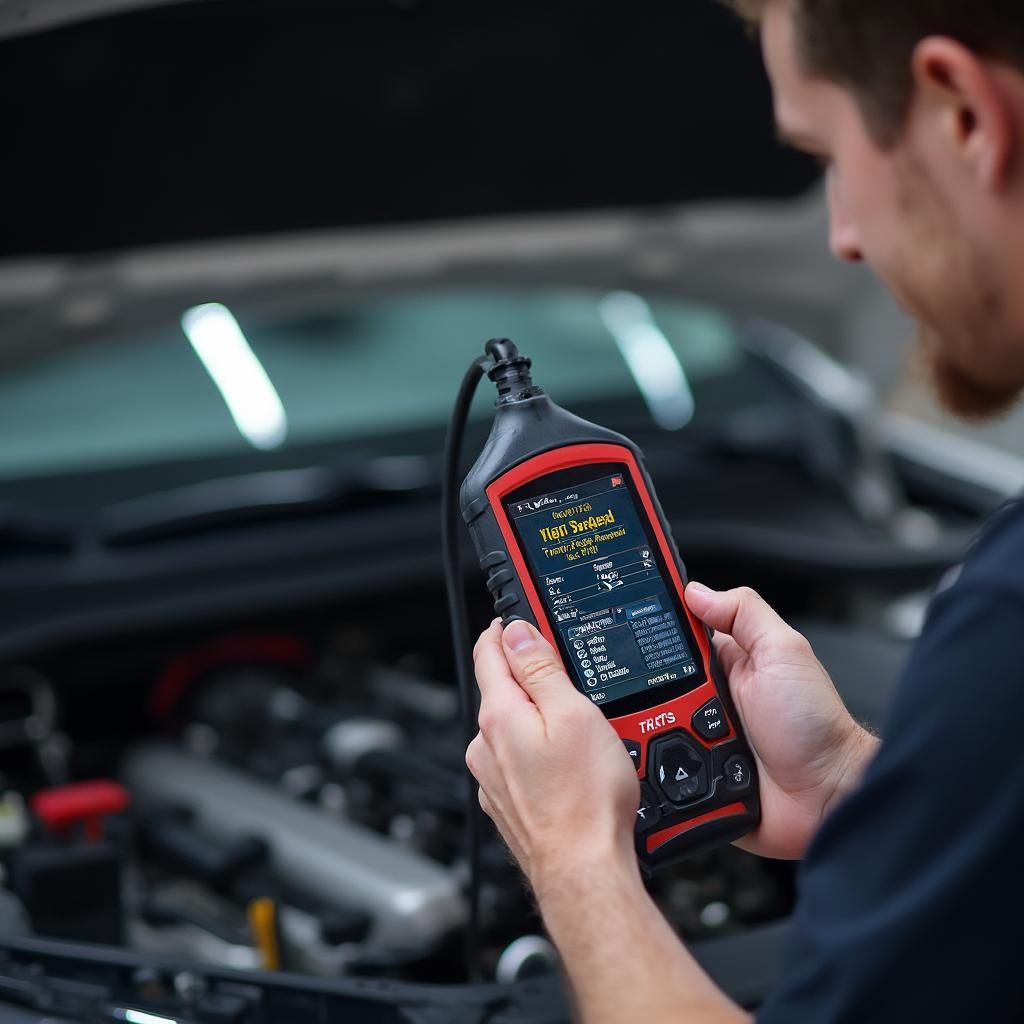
pixel 911 900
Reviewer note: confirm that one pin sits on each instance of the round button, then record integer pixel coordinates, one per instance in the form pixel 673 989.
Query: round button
pixel 681 771
pixel 633 749
pixel 709 721
pixel 647 814
pixel 736 773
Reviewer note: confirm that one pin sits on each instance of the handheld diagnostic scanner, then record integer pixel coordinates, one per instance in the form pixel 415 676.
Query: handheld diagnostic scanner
pixel 569 531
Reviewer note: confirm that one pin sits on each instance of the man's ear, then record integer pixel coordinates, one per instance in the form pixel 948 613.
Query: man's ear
pixel 965 96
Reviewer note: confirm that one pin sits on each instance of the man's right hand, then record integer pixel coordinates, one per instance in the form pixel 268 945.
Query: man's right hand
pixel 809 749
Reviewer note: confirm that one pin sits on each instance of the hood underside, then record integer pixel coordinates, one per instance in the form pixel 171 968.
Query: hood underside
pixel 142 122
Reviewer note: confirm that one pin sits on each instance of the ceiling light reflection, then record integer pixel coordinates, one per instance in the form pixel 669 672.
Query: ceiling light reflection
pixel 248 392
pixel 650 357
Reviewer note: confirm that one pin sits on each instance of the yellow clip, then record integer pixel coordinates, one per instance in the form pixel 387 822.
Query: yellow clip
pixel 262 914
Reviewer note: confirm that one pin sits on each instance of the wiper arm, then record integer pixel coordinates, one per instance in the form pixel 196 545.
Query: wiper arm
pixel 32 533
pixel 270 495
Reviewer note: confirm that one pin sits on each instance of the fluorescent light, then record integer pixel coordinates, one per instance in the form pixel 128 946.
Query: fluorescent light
pixel 242 381
pixel 141 1017
pixel 650 357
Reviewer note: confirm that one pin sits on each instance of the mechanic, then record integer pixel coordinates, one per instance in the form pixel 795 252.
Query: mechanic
pixel 911 901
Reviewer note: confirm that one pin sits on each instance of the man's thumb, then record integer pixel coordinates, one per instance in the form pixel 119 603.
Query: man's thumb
pixel 534 662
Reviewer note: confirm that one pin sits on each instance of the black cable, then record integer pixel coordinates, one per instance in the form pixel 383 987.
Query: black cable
pixel 454 583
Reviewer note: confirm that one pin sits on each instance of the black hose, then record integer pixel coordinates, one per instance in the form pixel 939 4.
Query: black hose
pixel 454 583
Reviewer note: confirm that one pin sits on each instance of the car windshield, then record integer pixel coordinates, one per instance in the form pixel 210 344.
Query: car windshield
pixel 214 381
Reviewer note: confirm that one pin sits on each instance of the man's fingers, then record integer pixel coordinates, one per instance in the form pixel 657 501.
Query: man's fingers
pixel 498 687
pixel 482 763
pixel 742 614
pixel 729 653
pixel 535 664
pixel 485 803
pixel 489 635
pixel 475 755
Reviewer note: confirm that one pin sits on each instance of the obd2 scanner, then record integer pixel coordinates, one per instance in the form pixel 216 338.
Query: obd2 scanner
pixel 568 529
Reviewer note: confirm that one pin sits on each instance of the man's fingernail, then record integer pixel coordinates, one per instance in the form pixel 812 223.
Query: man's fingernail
pixel 518 635
pixel 698 588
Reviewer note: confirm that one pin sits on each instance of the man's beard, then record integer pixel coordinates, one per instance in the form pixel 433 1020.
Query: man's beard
pixel 973 361
pixel 959 391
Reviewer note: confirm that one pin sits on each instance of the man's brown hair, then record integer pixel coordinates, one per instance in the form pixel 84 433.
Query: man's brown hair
pixel 866 45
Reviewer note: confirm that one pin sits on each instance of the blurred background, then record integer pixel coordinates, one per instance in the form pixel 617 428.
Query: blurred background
pixel 248 250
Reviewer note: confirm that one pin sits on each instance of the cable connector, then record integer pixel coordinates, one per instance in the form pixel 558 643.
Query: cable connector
pixel 510 372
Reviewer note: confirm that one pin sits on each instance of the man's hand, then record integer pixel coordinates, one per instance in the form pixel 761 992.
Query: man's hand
pixel 558 783
pixel 553 774
pixel 809 750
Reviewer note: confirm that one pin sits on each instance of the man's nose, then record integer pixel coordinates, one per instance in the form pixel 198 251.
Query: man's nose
pixel 843 239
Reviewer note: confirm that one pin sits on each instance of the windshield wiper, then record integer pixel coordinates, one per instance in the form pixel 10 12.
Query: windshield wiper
pixel 258 497
pixel 30 533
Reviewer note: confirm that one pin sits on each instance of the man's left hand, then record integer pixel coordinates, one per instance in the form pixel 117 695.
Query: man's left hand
pixel 553 774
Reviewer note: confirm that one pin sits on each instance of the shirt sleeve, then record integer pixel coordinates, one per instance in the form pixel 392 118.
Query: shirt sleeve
pixel 911 898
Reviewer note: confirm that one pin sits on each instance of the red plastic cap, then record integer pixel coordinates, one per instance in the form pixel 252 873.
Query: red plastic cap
pixel 89 802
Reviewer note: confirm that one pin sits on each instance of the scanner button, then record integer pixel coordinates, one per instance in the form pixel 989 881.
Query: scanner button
pixel 709 721
pixel 493 559
pixel 498 579
pixel 633 749
pixel 736 773
pixel 647 814
pixel 681 771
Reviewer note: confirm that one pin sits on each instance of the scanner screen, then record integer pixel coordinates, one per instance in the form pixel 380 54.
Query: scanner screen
pixel 604 585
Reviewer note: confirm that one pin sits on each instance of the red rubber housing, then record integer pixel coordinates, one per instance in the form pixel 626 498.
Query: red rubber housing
pixel 659 718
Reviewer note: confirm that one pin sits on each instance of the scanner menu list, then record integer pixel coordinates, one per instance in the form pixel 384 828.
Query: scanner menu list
pixel 596 571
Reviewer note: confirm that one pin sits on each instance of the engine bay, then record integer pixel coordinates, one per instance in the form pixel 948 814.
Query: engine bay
pixel 259 799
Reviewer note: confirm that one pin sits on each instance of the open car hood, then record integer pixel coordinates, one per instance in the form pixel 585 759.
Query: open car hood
pixel 159 121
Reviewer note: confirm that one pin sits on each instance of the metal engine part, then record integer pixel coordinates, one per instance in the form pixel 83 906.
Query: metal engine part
pixel 348 740
pixel 529 956
pixel 413 901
